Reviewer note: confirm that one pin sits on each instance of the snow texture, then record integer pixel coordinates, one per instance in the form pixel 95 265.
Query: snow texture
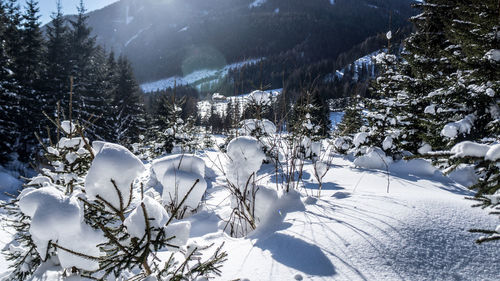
pixel 245 158
pixel 464 174
pixel 425 148
pixel 493 55
pixel 257 3
pixel 113 163
pixel 68 127
pixel 180 231
pixel 260 97
pixel 136 221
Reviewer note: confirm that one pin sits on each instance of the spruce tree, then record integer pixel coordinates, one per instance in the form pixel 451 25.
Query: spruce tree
pixel 8 98
pixel 28 72
pixel 88 68
pixel 128 121
pixel 56 82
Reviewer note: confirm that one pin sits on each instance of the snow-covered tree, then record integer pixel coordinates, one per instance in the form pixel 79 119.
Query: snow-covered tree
pixel 128 122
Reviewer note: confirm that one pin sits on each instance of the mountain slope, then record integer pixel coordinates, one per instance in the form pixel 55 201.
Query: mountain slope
pixel 163 38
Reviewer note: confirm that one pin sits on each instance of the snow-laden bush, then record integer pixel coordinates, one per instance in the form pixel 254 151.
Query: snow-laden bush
pixel 245 159
pixel 93 225
pixel 248 200
pixel 257 128
pixel 482 159
pixel 374 158
pixel 57 219
pixel 183 179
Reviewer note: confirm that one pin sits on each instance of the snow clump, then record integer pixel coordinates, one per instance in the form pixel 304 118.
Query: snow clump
pixel 178 174
pixel 59 218
pixel 374 158
pixel 250 125
pixel 470 149
pixel 245 158
pixel 113 163
pixel 464 126
pixel 136 221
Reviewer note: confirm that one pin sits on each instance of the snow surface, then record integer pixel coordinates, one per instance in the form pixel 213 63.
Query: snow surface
pixel 468 148
pixel 374 158
pixel 59 218
pixel 360 229
pixel 463 126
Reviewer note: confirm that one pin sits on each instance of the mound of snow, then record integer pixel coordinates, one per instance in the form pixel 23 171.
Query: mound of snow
pixel 250 125
pixel 71 142
pixel 265 199
pixel 387 143
pixel 86 241
pixel 179 234
pixel 113 163
pixel 184 162
pixel 341 143
pixel 136 221
pixel 416 167
pixel 493 153
pixel 177 184
pixel 470 149
pixel 68 127
pixel 245 158
pixel 58 218
pixel 493 55
pixel 374 158
pixel 177 174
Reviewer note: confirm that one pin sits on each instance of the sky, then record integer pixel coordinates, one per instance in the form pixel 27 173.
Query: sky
pixel 47 7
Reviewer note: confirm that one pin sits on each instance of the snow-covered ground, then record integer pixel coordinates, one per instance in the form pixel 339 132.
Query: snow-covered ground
pixel 409 225
pixel 196 78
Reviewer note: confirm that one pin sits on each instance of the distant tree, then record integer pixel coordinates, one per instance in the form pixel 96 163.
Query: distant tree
pixel 128 120
pixel 9 130
pixel 28 70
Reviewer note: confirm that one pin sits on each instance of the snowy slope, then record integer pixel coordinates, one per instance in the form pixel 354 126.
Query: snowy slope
pixel 196 78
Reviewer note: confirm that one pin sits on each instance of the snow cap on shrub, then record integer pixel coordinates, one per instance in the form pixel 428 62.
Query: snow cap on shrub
pixel 113 162
pixel 177 174
pixel 59 218
pixel 136 223
pixel 245 158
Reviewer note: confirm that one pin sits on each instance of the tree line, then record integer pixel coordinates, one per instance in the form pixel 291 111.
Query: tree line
pixel 58 71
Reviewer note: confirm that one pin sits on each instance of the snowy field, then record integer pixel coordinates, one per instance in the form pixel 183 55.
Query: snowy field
pixel 409 225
